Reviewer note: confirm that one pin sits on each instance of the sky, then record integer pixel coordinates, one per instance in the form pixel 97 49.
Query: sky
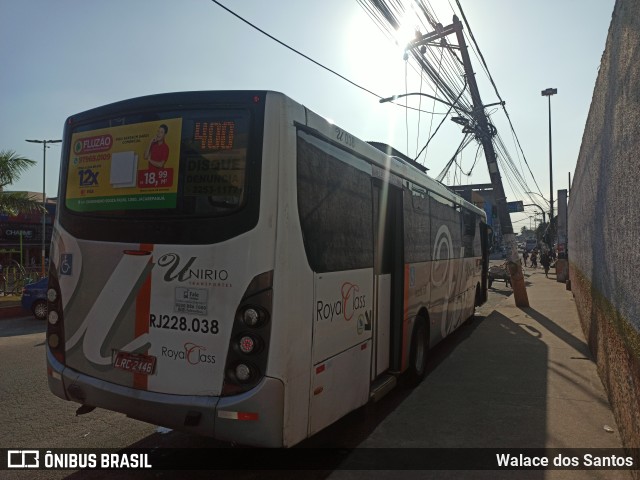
pixel 63 57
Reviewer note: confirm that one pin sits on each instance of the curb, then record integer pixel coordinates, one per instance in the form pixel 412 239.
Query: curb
pixel 12 311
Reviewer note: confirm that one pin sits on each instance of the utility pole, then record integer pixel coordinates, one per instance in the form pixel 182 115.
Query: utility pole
pixel 484 133
pixel 44 196
pixel 547 93
pixel 515 269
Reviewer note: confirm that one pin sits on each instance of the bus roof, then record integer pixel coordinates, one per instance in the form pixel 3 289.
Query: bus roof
pixel 409 171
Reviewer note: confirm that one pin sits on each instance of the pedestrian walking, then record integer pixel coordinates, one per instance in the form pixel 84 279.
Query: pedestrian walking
pixel 545 261
pixel 525 256
pixel 534 259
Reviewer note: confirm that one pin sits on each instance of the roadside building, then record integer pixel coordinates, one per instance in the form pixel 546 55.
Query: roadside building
pixel 21 235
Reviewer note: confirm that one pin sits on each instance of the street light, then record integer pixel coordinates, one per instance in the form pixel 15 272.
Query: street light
pixel 396 97
pixel 44 195
pixel 547 93
pixel 544 218
pixel 534 193
pixel 452 105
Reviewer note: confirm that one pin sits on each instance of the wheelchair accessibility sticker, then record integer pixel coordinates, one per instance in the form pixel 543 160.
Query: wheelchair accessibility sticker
pixel 66 263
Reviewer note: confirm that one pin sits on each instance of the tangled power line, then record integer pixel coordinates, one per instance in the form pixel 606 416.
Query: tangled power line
pixel 441 72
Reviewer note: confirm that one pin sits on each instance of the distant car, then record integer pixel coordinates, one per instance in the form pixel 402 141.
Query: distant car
pixel 34 298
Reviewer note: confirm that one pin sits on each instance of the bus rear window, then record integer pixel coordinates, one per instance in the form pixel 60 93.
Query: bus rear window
pixel 190 163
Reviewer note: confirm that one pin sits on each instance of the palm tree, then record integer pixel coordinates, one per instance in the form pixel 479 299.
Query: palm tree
pixel 12 166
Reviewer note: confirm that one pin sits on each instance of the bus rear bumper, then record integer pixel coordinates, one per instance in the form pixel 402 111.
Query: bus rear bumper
pixel 252 418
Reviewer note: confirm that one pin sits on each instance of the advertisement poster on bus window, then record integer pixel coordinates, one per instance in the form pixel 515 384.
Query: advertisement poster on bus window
pixel 129 167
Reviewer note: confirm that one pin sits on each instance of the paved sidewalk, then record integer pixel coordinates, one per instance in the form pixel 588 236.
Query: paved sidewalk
pixel 519 378
pixel 556 363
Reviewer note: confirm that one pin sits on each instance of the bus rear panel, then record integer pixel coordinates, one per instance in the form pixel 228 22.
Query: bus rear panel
pixel 160 290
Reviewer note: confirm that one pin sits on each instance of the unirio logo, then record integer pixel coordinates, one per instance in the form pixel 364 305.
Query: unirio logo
pixel 182 273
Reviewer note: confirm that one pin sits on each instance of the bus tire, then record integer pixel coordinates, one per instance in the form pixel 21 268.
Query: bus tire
pixel 418 354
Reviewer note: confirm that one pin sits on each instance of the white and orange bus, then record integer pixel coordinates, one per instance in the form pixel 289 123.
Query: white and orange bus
pixel 233 265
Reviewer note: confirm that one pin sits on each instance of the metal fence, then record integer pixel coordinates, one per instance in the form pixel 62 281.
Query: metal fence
pixel 14 276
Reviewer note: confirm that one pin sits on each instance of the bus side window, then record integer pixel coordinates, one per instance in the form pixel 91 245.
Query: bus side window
pixel 468 232
pixel 335 203
pixel 417 235
pixel 445 227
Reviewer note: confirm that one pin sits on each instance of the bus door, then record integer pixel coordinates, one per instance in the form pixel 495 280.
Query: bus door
pixel 388 277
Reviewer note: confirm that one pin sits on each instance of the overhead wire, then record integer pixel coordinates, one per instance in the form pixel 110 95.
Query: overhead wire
pixel 406 104
pixel 451 74
pixel 420 116
pixel 486 68
pixel 445 79
pixel 514 178
pixel 445 82
pixel 294 50
pixel 387 15
pixel 440 124
pixel 242 19
pixel 433 106
pixel 466 140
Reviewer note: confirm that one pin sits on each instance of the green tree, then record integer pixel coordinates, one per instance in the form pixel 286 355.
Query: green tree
pixel 12 166
pixel 542 228
pixel 526 232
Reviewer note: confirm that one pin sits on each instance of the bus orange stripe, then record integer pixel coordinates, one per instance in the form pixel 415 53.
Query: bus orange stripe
pixel 143 309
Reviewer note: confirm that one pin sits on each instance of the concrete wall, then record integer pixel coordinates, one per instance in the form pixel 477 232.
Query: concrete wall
pixel 604 221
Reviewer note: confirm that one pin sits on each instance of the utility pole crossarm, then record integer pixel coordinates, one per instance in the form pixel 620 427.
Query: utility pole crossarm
pixel 440 32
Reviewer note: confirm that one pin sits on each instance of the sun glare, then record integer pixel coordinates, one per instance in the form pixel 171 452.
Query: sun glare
pixel 409 25
pixel 373 55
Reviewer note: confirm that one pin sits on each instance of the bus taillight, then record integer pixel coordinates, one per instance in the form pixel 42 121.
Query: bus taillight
pixel 53 317
pixel 247 358
pixel 248 344
pixel 244 373
pixel 55 328
pixel 253 316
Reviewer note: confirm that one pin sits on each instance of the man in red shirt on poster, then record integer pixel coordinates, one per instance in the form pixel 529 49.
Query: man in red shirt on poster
pixel 158 151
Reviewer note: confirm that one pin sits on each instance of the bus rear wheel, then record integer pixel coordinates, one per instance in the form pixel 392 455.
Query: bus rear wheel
pixel 418 354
